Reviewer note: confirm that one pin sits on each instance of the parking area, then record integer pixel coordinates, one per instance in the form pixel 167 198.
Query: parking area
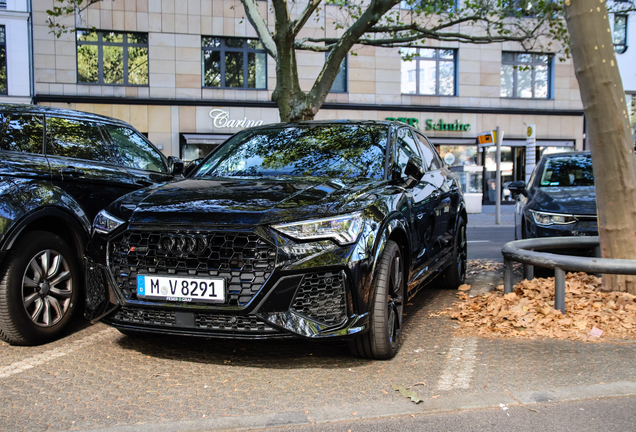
pixel 96 377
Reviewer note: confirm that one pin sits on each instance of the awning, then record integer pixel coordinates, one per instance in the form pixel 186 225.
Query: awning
pixel 212 139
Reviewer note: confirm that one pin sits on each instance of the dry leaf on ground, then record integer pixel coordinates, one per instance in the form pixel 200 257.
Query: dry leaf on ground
pixel 529 311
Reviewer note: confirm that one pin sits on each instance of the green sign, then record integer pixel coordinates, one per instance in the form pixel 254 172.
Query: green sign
pixel 439 126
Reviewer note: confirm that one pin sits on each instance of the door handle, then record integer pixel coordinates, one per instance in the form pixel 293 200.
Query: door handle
pixel 72 171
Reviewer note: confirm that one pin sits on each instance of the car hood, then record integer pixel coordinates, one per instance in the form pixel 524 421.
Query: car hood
pixel 580 200
pixel 243 201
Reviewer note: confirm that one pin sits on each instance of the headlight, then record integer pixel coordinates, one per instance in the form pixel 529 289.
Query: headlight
pixel 343 229
pixel 105 222
pixel 543 218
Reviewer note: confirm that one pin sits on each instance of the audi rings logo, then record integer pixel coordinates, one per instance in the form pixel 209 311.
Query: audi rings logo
pixel 183 244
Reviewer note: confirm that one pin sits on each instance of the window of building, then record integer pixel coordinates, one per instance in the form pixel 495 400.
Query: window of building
pixel 340 82
pixel 233 63
pixel 4 88
pixel 430 71
pixel 620 33
pixel 525 75
pixel 444 5
pixel 112 58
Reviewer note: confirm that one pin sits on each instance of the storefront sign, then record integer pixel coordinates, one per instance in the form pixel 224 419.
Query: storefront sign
pixel 221 120
pixel 439 126
pixel 411 121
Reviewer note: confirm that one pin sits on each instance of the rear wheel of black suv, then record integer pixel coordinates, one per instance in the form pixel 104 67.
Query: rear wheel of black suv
pixel 382 340
pixel 455 273
pixel 38 289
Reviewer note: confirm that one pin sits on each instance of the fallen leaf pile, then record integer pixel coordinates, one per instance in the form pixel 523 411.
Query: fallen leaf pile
pixel 529 312
pixel 476 266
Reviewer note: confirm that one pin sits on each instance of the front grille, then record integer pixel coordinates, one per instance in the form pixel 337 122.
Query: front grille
pixel 321 296
pixel 203 321
pixel 244 259
pixel 231 323
pixel 146 316
pixel 95 286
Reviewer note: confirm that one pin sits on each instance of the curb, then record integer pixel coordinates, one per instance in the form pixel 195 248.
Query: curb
pixel 380 409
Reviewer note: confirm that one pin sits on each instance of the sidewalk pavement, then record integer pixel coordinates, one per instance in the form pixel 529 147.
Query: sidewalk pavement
pixel 487 217
pixel 97 379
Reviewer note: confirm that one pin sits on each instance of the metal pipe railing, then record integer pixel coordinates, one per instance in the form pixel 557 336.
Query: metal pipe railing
pixel 523 251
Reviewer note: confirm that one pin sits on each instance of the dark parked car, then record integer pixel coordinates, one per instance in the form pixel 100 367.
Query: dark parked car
pixel 559 199
pixel 58 168
pixel 315 229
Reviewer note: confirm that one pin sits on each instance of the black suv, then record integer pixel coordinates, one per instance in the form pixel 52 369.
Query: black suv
pixel 58 168
pixel 312 229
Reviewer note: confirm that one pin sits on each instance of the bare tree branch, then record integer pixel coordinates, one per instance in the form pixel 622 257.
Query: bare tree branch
pixel 258 22
pixel 300 22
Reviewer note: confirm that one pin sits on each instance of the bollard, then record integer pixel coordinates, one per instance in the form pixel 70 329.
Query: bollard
pixel 528 271
pixel 507 276
pixel 559 289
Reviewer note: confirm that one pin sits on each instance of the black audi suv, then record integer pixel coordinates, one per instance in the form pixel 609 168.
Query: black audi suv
pixel 58 168
pixel 312 229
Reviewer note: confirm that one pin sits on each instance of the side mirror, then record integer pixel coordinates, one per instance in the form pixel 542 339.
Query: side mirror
pixel 518 187
pixel 175 165
pixel 191 166
pixel 414 169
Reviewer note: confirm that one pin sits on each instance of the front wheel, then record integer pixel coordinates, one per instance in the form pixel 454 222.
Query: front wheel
pixel 455 273
pixel 382 340
pixel 38 289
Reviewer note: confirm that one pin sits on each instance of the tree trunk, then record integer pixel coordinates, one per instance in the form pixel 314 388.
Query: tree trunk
pixel 609 133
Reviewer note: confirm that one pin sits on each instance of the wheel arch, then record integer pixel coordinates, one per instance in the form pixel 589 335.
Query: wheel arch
pixel 55 220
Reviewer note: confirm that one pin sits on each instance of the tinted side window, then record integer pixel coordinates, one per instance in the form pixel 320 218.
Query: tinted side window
pixel 134 151
pixel 76 139
pixel 24 133
pixel 431 161
pixel 405 148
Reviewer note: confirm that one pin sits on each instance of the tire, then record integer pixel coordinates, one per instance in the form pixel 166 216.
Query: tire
pixel 455 274
pixel 32 311
pixel 382 340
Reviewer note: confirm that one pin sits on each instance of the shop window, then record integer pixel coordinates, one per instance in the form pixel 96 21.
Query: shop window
pixel 105 57
pixel 340 82
pixel 620 33
pixel 3 62
pixel 525 75
pixel 444 5
pixel 429 71
pixel 233 63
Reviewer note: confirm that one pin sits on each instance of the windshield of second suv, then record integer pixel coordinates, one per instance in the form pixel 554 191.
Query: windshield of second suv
pixel 337 151
pixel 568 171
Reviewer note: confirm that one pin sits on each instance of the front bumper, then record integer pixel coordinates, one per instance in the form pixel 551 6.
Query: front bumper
pixel 324 295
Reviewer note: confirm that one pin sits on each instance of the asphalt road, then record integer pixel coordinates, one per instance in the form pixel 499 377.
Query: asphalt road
pixel 615 414
pixel 486 243
pixel 98 379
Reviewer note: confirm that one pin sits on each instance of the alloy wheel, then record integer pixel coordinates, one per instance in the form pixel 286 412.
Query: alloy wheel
pixel 395 301
pixel 47 288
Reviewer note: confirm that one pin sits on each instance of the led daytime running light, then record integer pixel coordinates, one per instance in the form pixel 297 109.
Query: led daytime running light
pixel 341 229
pixel 105 223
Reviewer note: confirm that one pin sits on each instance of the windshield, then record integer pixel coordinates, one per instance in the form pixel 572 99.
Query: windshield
pixel 336 151
pixel 568 171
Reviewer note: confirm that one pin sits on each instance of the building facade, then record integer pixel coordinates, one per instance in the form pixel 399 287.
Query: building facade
pixel 191 73
pixel 16 71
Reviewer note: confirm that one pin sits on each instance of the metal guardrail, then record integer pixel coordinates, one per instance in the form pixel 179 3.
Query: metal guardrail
pixel 524 251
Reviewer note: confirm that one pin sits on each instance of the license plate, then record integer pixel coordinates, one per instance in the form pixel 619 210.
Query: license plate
pixel 181 289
